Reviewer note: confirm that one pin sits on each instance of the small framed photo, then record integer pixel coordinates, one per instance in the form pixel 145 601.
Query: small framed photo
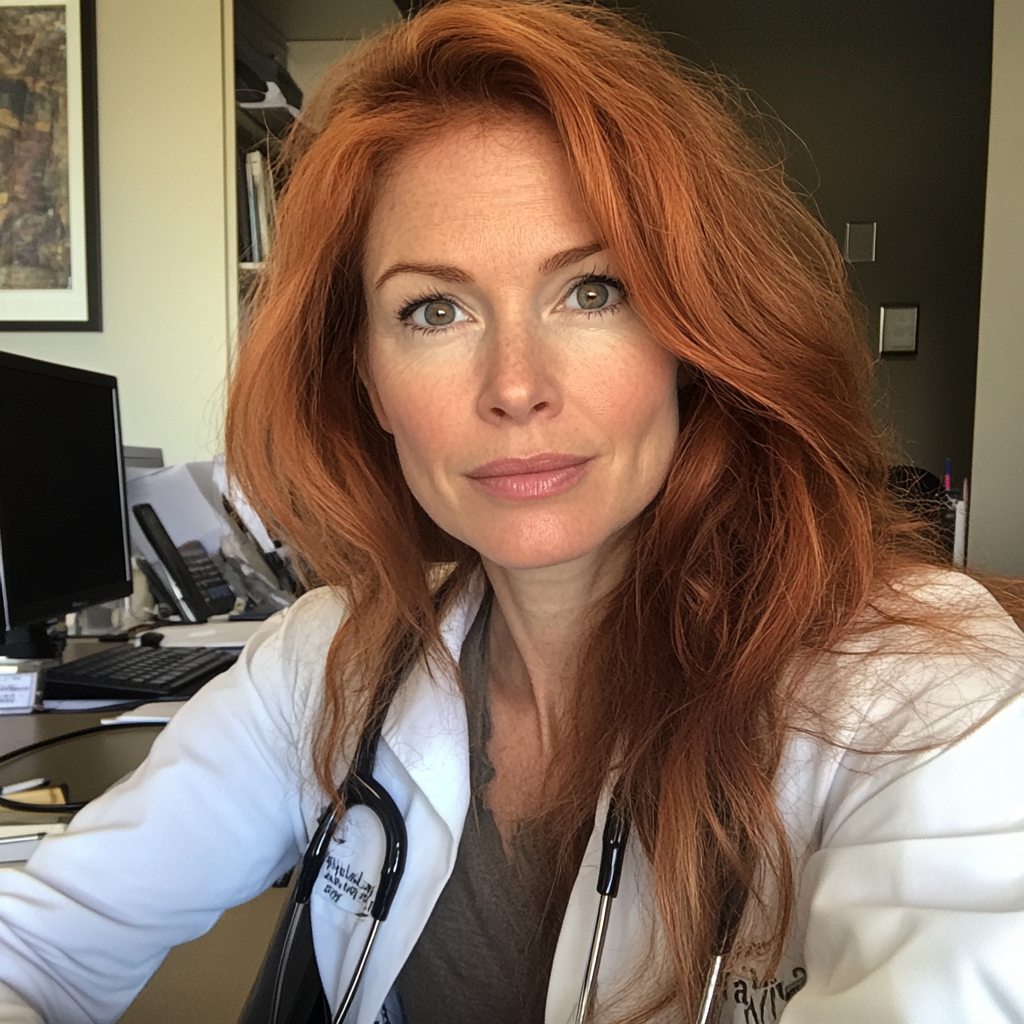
pixel 49 167
pixel 897 331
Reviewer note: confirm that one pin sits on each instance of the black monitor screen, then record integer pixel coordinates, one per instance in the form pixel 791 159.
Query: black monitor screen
pixel 63 531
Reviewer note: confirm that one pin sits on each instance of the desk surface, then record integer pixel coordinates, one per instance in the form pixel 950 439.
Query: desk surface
pixel 18 731
pixel 88 765
pixel 21 730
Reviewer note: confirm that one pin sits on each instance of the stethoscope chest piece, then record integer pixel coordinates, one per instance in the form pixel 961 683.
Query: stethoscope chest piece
pixel 360 790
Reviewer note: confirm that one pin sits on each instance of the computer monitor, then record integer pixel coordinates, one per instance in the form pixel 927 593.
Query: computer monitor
pixel 64 540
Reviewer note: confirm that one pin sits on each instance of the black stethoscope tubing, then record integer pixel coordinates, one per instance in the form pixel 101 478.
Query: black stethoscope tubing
pixel 71 807
pixel 362 789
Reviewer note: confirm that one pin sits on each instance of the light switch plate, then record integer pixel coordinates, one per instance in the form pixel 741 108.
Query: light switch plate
pixel 859 245
pixel 897 332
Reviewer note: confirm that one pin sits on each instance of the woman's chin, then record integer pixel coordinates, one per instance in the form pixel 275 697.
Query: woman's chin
pixel 521 553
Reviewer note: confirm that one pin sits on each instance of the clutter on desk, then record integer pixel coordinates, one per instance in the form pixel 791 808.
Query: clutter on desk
pixel 81 763
pixel 50 796
pixel 75 706
pixel 215 556
pixel 197 555
pixel 19 685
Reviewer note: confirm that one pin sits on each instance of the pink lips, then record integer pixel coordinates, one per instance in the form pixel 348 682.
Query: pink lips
pixel 540 476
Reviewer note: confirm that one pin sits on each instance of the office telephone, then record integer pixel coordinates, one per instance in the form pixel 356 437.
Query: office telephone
pixel 196 587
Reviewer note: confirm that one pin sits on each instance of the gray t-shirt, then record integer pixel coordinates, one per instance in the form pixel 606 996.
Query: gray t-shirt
pixel 485 954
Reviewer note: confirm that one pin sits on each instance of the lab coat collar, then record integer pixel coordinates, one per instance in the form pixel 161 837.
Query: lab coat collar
pixel 426 725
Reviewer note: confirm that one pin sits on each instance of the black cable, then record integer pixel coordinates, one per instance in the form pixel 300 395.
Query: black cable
pixel 74 806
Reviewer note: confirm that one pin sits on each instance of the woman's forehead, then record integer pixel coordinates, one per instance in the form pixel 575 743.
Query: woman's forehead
pixel 508 182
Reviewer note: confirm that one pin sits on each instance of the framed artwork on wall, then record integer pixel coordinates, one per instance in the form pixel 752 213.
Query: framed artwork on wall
pixel 49 167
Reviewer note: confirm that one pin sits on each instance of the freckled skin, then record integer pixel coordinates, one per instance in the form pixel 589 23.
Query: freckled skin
pixel 521 370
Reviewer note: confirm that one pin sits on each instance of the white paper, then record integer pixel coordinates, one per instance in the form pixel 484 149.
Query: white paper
pixel 18 841
pixel 241 505
pixel 179 501
pixel 208 634
pixel 83 704
pixel 161 711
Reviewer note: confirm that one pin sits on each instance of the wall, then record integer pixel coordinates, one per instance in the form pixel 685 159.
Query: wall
pixel 997 514
pixel 308 59
pixel 888 105
pixel 162 205
pixel 326 19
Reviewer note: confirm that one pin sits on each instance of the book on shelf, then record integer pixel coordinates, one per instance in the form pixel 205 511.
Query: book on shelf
pixel 259 185
pixel 242 198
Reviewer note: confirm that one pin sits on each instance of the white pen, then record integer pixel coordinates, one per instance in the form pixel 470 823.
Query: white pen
pixel 21 787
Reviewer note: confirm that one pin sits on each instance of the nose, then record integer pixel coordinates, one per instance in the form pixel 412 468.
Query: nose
pixel 521 378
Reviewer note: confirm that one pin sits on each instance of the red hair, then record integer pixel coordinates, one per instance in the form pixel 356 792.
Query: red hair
pixel 774 525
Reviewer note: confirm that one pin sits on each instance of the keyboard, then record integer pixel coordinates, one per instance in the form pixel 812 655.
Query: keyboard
pixel 147 673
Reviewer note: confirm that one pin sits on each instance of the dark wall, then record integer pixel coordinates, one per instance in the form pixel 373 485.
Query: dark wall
pixel 891 100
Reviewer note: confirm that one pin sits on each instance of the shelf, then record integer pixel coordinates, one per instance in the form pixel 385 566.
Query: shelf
pixel 259 122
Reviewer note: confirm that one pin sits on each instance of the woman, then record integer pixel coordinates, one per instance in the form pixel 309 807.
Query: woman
pixel 561 394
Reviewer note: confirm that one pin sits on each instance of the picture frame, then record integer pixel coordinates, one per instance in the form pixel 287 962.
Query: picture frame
pixel 49 167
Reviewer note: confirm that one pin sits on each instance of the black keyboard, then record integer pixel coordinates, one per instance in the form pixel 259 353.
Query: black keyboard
pixel 125 673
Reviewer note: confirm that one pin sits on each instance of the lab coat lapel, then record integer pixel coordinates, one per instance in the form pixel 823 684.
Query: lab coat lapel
pixel 423 762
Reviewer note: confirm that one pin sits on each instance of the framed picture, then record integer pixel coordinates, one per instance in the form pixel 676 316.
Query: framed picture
pixel 49 168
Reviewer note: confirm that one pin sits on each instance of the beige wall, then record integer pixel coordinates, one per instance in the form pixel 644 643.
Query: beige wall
pixel 997 514
pixel 162 195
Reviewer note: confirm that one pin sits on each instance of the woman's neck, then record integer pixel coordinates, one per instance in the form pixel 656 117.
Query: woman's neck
pixel 539 619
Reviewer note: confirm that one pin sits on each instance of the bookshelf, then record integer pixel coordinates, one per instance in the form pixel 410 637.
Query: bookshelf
pixel 267 101
pixel 275 54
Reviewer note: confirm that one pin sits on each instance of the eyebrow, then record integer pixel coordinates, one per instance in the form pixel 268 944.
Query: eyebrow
pixel 445 271
pixel 448 272
pixel 569 257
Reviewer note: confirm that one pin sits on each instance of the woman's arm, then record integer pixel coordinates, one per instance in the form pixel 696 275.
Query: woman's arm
pixel 917 892
pixel 208 821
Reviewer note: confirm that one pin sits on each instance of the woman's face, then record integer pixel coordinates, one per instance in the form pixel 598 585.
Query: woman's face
pixel 533 413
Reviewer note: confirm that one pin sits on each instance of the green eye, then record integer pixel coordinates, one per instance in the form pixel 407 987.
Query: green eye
pixel 591 295
pixel 438 314
pixel 595 295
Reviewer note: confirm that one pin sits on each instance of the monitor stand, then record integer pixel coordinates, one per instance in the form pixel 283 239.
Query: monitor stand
pixel 31 641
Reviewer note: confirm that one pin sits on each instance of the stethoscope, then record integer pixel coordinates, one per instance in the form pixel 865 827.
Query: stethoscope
pixel 362 789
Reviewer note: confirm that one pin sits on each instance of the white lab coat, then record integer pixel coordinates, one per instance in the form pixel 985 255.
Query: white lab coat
pixel 910 898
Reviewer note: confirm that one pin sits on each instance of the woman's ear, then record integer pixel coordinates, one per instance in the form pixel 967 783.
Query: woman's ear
pixel 371 390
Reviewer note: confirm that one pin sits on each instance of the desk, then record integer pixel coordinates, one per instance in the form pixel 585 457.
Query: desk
pixel 202 982
pixel 88 766
pixel 206 981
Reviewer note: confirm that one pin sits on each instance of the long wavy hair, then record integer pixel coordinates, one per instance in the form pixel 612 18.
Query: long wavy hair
pixel 774 526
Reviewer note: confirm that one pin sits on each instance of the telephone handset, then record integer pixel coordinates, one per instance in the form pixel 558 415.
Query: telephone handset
pixel 197 585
